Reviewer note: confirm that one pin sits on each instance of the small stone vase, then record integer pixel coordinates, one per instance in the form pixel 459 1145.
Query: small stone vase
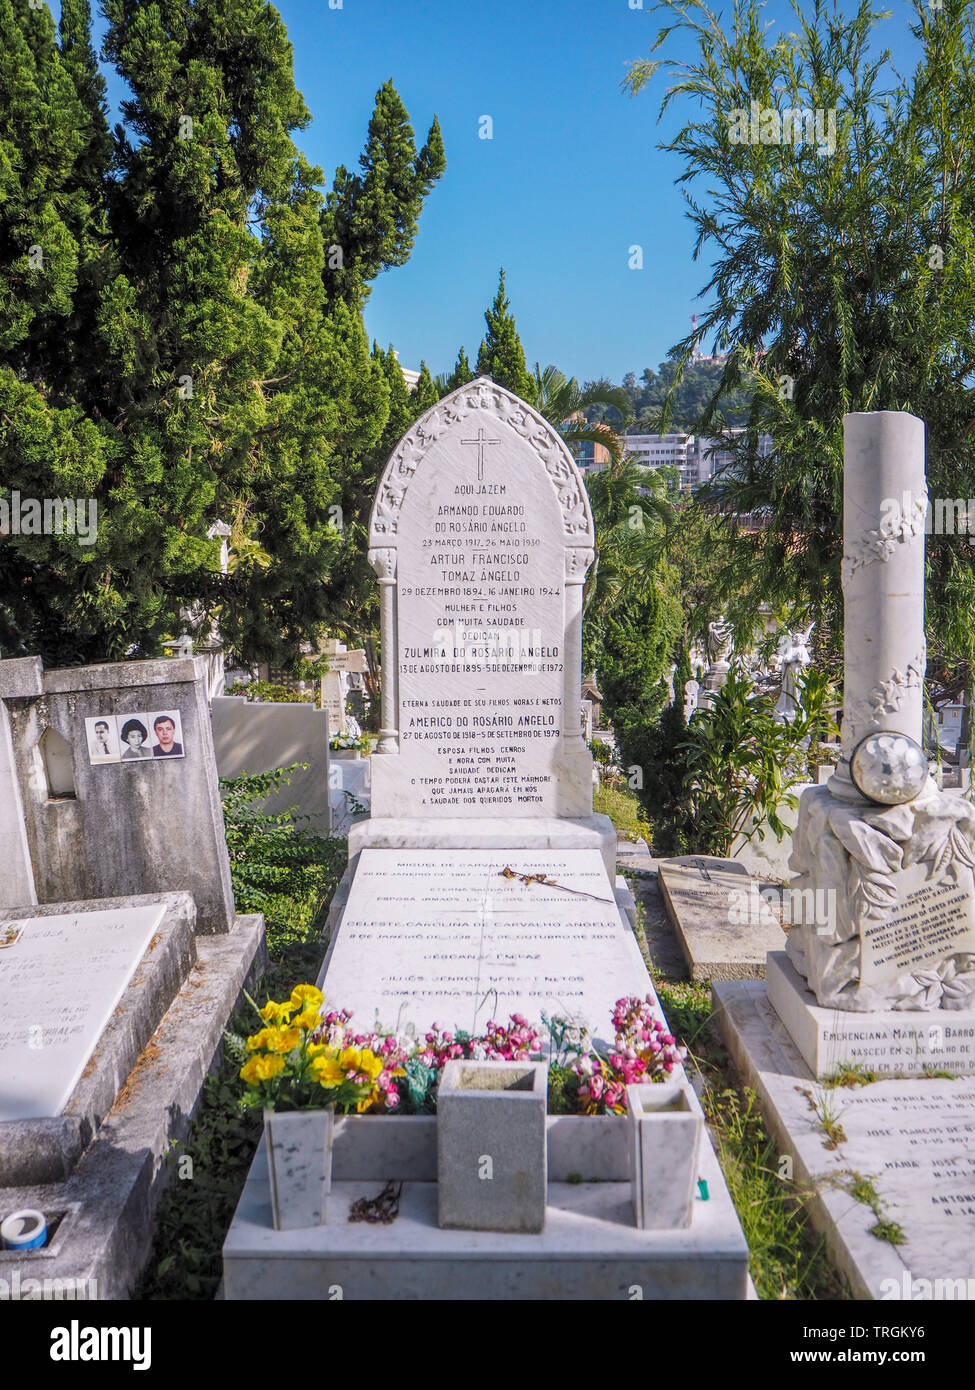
pixel 299 1163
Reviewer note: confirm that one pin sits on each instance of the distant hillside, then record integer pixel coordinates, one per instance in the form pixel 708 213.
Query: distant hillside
pixel 699 383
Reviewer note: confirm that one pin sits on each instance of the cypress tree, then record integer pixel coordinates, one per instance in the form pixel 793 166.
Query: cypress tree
pixel 218 376
pixel 401 414
pixel 424 393
pixel 370 219
pixel 501 355
pixel 461 374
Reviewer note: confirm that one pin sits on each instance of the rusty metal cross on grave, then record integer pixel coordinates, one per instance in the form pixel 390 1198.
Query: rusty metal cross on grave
pixel 480 441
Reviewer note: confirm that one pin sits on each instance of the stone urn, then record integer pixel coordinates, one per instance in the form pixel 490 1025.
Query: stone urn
pixel 492 1166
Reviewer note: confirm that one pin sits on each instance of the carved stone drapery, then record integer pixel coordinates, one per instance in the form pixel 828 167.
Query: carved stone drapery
pixel 853 854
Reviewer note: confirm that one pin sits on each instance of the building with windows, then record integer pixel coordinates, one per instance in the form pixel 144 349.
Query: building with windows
pixel 696 457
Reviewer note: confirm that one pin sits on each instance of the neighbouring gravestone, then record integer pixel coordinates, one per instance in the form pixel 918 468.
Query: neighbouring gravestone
pixel 60 980
pixel 17 878
pixel 881 985
pixel 724 925
pixel 112 1012
pixel 335 681
pixel 914 1138
pixel 116 776
pixel 481 535
pixel 251 736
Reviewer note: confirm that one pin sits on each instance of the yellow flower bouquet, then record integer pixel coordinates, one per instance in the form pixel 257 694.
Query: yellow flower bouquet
pixel 300 1060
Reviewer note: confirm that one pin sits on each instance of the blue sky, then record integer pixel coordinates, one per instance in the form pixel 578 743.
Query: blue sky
pixel 571 179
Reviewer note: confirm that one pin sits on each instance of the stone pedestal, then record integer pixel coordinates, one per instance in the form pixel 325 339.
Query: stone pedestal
pixel 889 1042
pixel 491 1159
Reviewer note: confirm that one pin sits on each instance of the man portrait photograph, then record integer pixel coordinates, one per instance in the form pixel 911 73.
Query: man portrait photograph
pixel 167 733
pixel 102 736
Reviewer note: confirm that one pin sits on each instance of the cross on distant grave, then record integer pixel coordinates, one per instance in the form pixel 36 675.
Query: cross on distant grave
pixel 480 441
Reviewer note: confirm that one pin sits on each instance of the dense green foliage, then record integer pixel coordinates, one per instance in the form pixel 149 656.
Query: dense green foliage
pixel 289 875
pixel 690 393
pixel 741 764
pixel 633 628
pixel 842 278
pixel 277 867
pixel 181 334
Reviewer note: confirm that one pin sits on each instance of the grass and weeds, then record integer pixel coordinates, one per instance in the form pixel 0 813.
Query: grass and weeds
pixel 862 1189
pixel 614 798
pixel 288 874
pixel 849 1074
pixel 788 1258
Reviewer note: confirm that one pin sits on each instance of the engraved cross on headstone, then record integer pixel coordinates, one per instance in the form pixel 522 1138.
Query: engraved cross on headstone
pixel 480 441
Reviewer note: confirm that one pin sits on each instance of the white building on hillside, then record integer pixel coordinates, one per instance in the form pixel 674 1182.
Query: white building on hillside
pixel 696 457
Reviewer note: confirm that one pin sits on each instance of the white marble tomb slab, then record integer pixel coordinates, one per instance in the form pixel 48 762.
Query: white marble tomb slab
pixel 60 980
pixel 441 936
pixel 914 1139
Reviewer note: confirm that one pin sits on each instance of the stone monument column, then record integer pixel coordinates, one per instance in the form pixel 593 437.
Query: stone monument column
pixel 884 859
pixel 884 654
pixel 577 562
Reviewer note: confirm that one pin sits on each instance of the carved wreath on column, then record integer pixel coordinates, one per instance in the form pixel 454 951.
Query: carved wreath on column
pixel 859 850
pixel 880 543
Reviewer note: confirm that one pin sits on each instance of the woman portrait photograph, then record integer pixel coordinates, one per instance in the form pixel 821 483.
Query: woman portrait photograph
pixel 134 740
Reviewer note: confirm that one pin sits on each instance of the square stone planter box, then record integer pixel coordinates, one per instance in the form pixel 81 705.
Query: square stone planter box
pixel 347 754
pixel 491 1146
pixel 299 1147
pixel 665 1135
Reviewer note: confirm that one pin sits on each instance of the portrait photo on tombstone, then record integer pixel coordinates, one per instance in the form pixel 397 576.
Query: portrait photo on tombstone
pixel 9 933
pixel 102 737
pixel 134 735
pixel 167 734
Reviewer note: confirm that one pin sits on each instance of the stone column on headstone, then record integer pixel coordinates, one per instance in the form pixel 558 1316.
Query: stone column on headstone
pixel 383 562
pixel 577 562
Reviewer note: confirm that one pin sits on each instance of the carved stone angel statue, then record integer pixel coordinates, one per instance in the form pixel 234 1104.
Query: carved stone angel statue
pixel 794 656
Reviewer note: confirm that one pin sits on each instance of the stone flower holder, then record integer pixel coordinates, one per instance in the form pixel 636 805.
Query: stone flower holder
pixel 299 1163
pixel 491 1146
pixel 665 1132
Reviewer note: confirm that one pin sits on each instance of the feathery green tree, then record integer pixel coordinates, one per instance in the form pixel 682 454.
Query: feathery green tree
pixel 843 280
pixel 501 355
pixel 171 344
pixel 369 219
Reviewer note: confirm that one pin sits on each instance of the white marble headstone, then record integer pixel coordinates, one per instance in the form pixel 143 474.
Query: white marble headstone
pixel 60 980
pixel 481 534
pixel 442 936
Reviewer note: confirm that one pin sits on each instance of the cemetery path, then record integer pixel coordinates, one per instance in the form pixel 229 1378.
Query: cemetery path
pixel 654 931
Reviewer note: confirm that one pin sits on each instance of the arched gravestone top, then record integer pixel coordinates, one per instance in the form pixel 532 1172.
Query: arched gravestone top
pixel 481 534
